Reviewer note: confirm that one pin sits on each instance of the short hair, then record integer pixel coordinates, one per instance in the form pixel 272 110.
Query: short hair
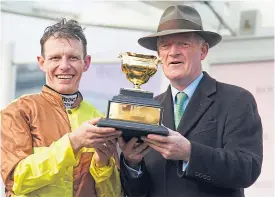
pixel 70 29
pixel 198 38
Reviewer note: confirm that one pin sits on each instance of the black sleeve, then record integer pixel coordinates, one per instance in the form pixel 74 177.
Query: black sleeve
pixel 238 163
pixel 134 187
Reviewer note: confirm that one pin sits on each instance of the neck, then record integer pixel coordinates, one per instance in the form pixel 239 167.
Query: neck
pixel 183 83
pixel 60 92
pixel 69 100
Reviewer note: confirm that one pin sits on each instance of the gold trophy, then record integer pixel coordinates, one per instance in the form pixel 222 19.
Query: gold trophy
pixel 134 111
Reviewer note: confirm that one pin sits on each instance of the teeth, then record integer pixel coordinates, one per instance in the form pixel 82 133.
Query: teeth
pixel 64 76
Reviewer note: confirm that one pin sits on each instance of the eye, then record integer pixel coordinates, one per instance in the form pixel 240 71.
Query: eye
pixel 55 58
pixel 164 46
pixel 184 44
pixel 74 58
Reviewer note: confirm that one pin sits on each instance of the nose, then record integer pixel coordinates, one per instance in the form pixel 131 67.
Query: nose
pixel 174 50
pixel 64 64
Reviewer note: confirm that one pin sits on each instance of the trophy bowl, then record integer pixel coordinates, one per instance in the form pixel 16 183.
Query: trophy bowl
pixel 138 67
pixel 134 111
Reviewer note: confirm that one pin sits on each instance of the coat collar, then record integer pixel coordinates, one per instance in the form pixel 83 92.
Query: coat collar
pixel 199 103
pixel 56 99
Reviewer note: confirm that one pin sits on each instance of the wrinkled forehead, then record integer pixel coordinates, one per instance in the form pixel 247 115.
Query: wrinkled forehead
pixel 56 45
pixel 180 36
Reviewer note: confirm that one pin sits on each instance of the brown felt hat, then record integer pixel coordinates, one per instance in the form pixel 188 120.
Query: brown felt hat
pixel 179 19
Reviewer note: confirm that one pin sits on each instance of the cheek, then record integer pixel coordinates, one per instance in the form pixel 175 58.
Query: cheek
pixel 162 55
pixel 78 69
pixel 51 71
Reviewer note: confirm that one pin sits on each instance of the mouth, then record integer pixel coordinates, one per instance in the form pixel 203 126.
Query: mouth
pixel 64 76
pixel 176 63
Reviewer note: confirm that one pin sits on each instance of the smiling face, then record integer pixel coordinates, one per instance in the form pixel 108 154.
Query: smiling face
pixel 181 55
pixel 63 62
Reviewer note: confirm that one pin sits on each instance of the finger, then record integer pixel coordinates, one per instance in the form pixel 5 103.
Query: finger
pixel 116 157
pixel 105 150
pixel 99 141
pixel 139 149
pixel 142 154
pixel 113 141
pixel 130 145
pixel 121 143
pixel 159 149
pixel 150 141
pixel 110 145
pixel 102 130
pixel 100 135
pixel 105 139
pixel 158 138
pixel 94 121
pixel 101 153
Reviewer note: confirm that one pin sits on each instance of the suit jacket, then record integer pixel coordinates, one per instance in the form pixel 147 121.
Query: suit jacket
pixel 223 125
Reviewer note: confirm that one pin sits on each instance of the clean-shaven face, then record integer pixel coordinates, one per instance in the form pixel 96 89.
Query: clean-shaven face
pixel 181 55
pixel 63 63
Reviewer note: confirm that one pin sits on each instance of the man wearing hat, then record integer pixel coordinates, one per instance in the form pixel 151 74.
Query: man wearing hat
pixel 214 146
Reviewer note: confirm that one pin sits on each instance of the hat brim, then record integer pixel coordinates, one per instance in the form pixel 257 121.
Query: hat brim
pixel 150 42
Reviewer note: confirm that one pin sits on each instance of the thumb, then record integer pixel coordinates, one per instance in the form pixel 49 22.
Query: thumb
pixel 94 121
pixel 171 132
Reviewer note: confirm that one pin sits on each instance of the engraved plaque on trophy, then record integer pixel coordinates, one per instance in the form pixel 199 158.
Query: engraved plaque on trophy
pixel 134 111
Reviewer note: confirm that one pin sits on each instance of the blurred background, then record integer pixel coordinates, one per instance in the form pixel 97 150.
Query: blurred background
pixel 245 57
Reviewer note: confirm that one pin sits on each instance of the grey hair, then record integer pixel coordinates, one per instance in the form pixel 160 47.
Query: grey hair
pixel 199 40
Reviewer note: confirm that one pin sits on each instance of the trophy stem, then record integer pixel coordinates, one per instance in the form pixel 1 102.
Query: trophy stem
pixel 136 86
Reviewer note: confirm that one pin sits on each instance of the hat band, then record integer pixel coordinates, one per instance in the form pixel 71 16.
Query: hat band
pixel 178 24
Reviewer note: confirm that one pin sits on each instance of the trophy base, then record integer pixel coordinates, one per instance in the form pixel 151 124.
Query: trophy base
pixel 133 129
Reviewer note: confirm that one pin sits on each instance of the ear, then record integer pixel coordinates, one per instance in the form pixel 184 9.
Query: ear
pixel 41 61
pixel 87 63
pixel 204 50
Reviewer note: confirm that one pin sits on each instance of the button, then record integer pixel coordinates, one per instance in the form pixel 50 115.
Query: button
pixel 200 175
pixel 69 112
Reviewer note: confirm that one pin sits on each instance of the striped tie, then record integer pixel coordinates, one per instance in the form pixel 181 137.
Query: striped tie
pixel 180 98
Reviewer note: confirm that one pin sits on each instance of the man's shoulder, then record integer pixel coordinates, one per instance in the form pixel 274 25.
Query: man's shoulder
pixel 21 105
pixel 230 89
pixel 230 93
pixel 23 100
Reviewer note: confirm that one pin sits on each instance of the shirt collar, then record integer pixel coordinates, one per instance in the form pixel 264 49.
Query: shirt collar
pixel 189 90
pixel 55 98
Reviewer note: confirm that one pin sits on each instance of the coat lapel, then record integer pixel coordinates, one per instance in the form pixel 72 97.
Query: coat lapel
pixel 198 104
pixel 168 109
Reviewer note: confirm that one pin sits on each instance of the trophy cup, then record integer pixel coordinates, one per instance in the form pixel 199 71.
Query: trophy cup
pixel 134 111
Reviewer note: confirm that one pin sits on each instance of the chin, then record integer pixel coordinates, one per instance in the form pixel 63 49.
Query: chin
pixel 175 77
pixel 66 90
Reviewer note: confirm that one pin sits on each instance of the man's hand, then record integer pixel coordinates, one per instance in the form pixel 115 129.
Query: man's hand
pixel 90 136
pixel 133 152
pixel 104 152
pixel 174 146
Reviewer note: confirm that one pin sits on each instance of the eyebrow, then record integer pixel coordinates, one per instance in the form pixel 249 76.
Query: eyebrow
pixel 188 37
pixel 68 54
